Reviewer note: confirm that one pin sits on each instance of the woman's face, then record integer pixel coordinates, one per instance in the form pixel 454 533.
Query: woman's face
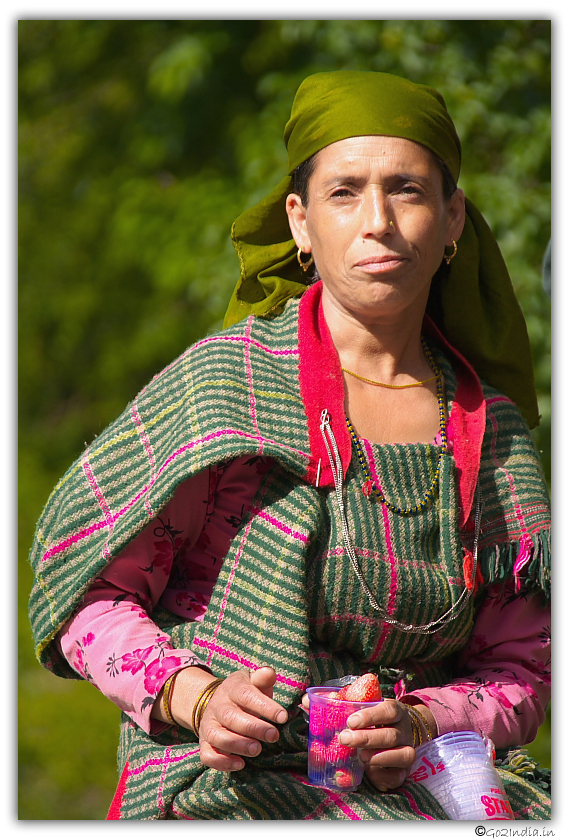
pixel 377 223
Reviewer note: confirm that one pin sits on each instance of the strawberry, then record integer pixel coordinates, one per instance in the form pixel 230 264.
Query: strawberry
pixel 337 752
pixel 364 690
pixel 317 754
pixel 317 719
pixel 343 778
pixel 334 716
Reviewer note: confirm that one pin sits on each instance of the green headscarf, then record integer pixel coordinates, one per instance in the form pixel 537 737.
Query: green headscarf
pixel 472 300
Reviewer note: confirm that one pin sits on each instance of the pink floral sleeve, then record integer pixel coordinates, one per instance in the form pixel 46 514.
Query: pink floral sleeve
pixel 174 562
pixel 506 665
pixel 115 645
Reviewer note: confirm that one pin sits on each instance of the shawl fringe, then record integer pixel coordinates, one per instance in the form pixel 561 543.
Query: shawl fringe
pixel 527 560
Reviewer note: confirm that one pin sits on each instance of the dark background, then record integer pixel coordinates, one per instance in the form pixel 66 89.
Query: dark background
pixel 140 141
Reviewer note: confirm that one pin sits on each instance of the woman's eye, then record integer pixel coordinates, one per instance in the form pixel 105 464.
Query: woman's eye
pixel 410 189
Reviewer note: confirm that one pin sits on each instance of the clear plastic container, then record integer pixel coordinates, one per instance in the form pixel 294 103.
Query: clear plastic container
pixel 332 765
pixel 458 769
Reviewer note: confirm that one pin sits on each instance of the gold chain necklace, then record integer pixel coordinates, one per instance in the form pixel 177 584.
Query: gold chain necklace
pixel 385 385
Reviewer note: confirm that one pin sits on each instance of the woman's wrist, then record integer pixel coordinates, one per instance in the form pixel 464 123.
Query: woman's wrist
pixel 188 684
pixel 429 718
pixel 426 719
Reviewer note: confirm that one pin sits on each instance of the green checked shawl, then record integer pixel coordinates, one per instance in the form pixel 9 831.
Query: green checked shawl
pixel 286 594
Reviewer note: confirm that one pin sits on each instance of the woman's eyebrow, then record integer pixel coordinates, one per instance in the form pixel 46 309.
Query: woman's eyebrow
pixel 357 180
pixel 404 176
pixel 336 180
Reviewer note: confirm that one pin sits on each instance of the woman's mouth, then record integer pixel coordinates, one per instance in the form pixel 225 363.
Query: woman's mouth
pixel 387 262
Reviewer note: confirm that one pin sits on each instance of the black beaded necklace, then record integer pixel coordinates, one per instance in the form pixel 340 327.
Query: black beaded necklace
pixel 369 488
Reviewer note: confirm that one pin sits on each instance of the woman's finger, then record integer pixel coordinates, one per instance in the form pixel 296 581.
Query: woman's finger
pixel 402 758
pixel 264 679
pixel 231 730
pixel 387 713
pixel 386 778
pixel 379 738
pixel 242 690
pixel 227 742
pixel 218 760
pixel 388 723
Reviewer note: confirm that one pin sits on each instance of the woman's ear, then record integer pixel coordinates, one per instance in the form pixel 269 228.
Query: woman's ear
pixel 297 216
pixel 456 216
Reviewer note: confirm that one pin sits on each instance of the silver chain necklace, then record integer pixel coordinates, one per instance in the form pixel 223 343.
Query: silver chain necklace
pixel 424 629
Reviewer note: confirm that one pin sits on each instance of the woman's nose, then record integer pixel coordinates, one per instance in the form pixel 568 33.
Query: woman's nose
pixel 376 216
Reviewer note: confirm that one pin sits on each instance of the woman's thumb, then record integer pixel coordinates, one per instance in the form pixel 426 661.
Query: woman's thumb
pixel 264 679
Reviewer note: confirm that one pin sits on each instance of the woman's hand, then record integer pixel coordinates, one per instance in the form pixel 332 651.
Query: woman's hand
pixel 237 719
pixel 387 752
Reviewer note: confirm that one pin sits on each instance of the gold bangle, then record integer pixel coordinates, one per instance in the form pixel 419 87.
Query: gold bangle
pixel 199 708
pixel 414 716
pixel 426 724
pixel 201 703
pixel 415 731
pixel 166 696
pixel 420 736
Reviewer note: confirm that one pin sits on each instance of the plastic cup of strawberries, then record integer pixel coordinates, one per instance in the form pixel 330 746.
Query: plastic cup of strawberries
pixel 333 765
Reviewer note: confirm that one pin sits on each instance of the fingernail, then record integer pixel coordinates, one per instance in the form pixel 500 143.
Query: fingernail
pixel 345 737
pixel 237 765
pixel 282 717
pixel 253 749
pixel 354 721
pixel 271 735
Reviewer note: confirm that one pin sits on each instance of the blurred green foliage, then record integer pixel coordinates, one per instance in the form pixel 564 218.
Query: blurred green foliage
pixel 140 141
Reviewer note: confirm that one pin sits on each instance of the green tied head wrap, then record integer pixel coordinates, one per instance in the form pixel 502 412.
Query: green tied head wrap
pixel 472 300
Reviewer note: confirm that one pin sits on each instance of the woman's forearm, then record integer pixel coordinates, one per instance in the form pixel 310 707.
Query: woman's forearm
pixel 118 648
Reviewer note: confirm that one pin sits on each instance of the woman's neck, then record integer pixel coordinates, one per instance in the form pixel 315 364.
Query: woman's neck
pixel 387 350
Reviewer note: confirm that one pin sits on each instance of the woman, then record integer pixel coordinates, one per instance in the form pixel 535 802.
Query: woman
pixel 326 487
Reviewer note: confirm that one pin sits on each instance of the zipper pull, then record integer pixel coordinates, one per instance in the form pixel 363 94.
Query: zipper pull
pixel 325 423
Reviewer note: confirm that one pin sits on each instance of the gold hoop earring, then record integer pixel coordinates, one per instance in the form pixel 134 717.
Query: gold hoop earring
pixel 392 225
pixel 451 256
pixel 304 265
